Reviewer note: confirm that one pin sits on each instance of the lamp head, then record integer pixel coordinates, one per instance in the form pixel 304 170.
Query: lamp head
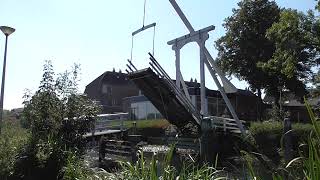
pixel 7 30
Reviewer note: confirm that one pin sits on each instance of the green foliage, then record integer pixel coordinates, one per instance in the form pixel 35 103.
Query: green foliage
pixel 271 49
pixel 268 137
pixel 297 51
pixel 316 83
pixel 307 164
pixel 166 171
pixel 275 113
pixel 74 168
pixel 12 139
pixel 245 44
pixel 58 118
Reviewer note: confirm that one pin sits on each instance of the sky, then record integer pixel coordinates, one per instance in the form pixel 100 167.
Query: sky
pixel 97 35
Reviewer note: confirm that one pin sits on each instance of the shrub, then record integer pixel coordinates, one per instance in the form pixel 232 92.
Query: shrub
pixel 58 118
pixel 12 139
pixel 268 136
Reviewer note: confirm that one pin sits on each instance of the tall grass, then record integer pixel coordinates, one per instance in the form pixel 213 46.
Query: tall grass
pixel 12 139
pixel 311 163
pixel 165 170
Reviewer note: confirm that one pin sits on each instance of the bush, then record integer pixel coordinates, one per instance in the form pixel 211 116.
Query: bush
pixel 12 139
pixel 58 118
pixel 268 137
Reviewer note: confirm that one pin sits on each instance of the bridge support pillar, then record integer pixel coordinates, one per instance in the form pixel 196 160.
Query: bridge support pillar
pixel 208 143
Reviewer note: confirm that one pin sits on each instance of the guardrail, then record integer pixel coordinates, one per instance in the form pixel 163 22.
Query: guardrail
pixel 224 124
pixel 109 124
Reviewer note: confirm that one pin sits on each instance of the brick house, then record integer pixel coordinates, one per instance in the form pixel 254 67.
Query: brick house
pixel 109 89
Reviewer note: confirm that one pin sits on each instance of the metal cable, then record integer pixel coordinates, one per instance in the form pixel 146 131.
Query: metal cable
pixel 154 34
pixel 131 48
pixel 144 13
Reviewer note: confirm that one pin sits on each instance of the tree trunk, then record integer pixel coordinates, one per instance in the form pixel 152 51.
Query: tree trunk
pixel 277 104
pixel 259 110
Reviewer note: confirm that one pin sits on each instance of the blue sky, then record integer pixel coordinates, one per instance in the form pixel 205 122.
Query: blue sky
pixel 97 35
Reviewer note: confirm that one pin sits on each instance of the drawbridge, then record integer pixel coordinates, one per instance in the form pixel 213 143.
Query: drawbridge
pixel 174 105
pixel 171 98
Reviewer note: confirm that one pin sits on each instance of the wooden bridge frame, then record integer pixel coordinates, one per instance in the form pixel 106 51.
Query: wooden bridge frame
pixel 205 58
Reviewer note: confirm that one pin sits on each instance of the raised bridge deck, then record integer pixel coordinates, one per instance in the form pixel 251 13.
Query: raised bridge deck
pixel 174 105
pixel 163 97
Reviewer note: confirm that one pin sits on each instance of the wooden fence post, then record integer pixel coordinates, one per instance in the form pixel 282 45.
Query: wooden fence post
pixel 287 141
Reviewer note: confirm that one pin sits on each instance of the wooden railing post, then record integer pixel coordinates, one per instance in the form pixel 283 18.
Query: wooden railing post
pixel 122 124
pixel 224 125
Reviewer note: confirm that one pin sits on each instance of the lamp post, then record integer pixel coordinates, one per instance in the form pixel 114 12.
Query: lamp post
pixel 6 31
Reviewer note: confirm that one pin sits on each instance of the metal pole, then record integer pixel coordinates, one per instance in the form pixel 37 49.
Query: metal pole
pixel 3 81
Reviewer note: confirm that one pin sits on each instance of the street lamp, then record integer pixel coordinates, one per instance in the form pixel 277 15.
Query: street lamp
pixel 6 31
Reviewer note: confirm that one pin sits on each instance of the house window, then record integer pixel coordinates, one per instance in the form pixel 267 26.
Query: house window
pixel 106 89
pixel 109 90
pixel 114 102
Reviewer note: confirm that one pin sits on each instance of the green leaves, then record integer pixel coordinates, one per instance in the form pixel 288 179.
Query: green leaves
pixel 58 117
pixel 271 49
pixel 245 44
pixel 12 139
pixel 295 52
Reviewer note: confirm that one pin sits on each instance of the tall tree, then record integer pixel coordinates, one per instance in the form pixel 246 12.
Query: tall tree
pixel 297 51
pixel 271 49
pixel 245 44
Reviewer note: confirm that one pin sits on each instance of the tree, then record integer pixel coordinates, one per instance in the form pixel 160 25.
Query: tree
pixel 58 117
pixel 297 51
pixel 245 44
pixel 271 49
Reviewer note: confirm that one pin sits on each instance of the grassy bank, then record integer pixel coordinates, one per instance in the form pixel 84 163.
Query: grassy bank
pixel 12 139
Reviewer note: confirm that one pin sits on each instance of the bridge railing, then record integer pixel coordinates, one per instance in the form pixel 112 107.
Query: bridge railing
pixel 109 124
pixel 224 124
pixel 110 121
